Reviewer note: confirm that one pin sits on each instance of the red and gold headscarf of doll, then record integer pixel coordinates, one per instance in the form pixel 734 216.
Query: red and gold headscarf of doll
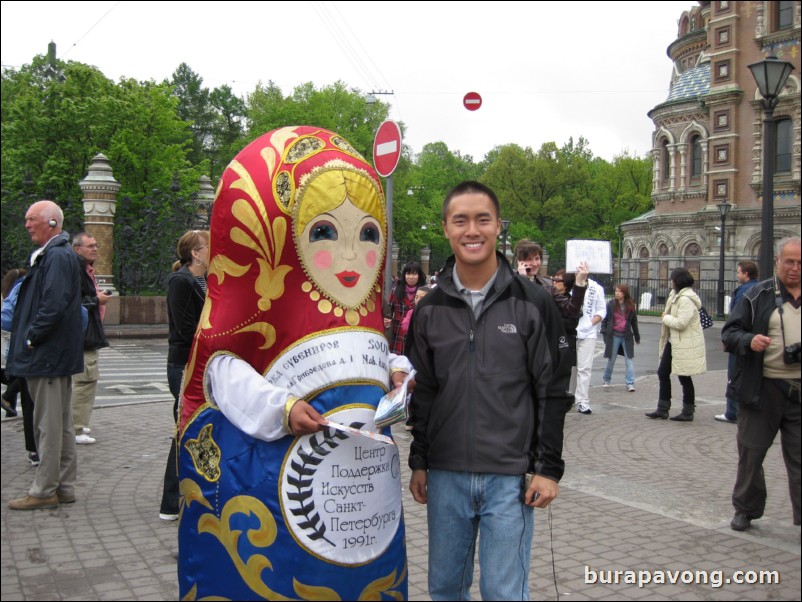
pixel 298 239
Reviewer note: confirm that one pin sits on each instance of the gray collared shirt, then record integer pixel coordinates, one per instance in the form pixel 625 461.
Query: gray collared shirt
pixel 475 298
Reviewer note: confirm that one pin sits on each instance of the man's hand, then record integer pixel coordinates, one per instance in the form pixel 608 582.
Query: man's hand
pixel 102 298
pixel 541 492
pixel 305 420
pixel 417 485
pixel 388 322
pixel 582 272
pixel 759 343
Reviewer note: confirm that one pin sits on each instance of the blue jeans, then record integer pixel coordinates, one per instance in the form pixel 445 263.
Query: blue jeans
pixel 459 505
pixel 629 375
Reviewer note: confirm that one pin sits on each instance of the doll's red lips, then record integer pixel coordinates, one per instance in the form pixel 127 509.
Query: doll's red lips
pixel 348 279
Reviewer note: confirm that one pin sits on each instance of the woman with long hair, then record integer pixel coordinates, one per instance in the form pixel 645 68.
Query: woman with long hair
pixel 682 346
pixel 402 300
pixel 186 292
pixel 620 331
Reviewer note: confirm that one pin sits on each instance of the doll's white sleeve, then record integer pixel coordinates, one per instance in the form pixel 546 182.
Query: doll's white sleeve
pixel 399 363
pixel 244 396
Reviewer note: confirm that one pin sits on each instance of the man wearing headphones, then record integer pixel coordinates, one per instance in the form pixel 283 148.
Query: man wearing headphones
pixel 47 349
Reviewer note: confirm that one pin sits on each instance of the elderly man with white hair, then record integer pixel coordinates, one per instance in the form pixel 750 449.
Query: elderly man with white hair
pixel 47 349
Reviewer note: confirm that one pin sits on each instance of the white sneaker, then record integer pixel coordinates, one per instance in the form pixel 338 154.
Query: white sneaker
pixel 84 439
pixel 86 430
pixel 583 408
pixel 631 388
pixel 164 516
pixel 605 385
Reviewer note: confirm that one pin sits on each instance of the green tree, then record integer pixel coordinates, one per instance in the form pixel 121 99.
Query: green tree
pixel 57 116
pixel 229 130
pixel 417 217
pixel 194 107
pixel 333 107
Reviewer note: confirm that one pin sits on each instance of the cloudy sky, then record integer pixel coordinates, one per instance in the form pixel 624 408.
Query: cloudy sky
pixel 546 71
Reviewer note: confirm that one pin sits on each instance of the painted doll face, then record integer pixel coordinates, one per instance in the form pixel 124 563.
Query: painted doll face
pixel 341 249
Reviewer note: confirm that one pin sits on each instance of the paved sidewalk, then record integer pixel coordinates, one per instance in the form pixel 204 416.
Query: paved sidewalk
pixel 638 495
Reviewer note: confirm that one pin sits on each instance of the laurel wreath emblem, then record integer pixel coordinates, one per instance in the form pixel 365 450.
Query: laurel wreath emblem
pixel 301 478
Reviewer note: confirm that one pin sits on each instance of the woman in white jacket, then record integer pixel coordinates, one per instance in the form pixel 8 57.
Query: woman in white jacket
pixel 682 346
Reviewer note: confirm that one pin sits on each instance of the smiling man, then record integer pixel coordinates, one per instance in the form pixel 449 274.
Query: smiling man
pixel 488 409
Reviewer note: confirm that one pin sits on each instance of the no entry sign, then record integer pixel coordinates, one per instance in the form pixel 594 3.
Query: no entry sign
pixel 472 101
pixel 387 148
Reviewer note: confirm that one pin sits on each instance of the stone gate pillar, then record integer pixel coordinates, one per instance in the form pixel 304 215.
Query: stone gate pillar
pixel 425 260
pixel 203 203
pixel 100 203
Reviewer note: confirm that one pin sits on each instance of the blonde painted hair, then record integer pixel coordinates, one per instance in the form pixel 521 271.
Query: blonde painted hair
pixel 328 190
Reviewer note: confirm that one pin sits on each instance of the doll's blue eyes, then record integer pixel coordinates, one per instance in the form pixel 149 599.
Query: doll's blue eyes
pixel 322 231
pixel 325 230
pixel 369 233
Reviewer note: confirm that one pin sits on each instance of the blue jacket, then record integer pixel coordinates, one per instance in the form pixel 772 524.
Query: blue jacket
pixel 740 291
pixel 48 314
pixel 9 303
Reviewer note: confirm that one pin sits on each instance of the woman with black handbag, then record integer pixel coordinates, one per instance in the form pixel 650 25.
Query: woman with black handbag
pixel 682 346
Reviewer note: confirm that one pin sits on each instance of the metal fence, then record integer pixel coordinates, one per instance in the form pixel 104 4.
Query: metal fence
pixel 650 294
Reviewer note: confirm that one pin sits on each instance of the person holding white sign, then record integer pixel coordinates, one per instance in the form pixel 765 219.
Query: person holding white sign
pixel 594 310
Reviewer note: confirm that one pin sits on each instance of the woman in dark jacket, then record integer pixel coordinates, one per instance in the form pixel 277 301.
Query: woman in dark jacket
pixel 620 331
pixel 186 293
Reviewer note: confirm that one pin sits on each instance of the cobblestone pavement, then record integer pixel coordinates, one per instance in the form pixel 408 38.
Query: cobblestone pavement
pixel 638 495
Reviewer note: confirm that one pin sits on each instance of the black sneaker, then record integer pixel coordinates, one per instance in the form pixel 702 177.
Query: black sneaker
pixel 33 458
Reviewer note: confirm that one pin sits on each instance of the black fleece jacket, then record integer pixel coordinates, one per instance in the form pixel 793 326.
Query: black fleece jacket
pixel 491 393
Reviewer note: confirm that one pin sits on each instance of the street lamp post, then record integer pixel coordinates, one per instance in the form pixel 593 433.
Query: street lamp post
pixel 770 75
pixel 723 209
pixel 505 225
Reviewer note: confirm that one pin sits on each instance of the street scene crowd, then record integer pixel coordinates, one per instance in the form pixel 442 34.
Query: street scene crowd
pixel 282 343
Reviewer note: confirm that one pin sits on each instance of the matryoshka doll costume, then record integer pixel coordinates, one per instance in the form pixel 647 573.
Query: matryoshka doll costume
pixel 293 311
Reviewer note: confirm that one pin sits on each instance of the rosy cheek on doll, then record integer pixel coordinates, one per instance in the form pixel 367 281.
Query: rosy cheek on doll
pixel 323 260
pixel 370 259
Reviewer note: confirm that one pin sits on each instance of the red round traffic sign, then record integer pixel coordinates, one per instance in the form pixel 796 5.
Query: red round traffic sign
pixel 472 101
pixel 387 148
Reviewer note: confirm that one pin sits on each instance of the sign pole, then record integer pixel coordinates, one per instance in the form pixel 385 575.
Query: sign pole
pixel 388 266
pixel 386 154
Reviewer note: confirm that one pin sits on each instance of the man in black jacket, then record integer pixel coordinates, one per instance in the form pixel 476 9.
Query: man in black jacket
pixel 489 406
pixel 764 333
pixel 47 349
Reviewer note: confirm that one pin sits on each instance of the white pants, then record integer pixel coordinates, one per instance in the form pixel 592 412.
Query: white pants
pixel 585 351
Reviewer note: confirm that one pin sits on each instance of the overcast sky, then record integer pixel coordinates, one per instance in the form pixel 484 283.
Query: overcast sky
pixel 546 71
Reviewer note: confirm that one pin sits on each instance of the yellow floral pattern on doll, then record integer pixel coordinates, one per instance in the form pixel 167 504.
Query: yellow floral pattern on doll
pixel 269 284
pixel 264 536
